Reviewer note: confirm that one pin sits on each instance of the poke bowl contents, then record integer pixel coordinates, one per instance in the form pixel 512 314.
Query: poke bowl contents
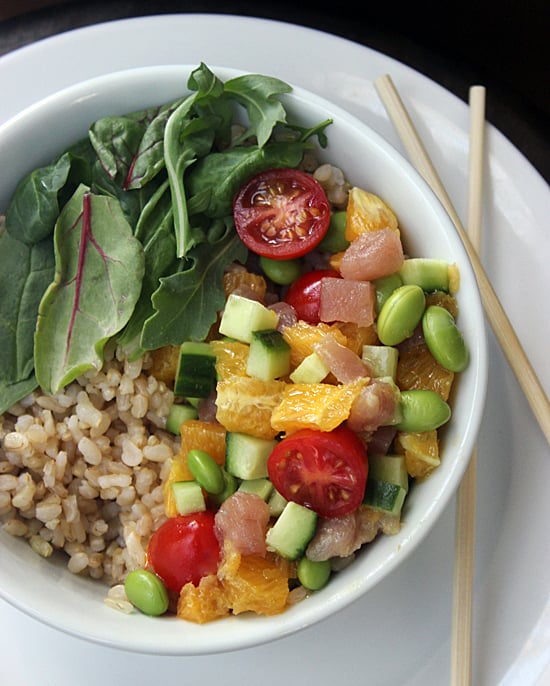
pixel 226 368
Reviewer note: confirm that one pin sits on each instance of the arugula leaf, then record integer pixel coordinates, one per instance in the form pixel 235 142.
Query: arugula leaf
pixel 260 96
pixel 187 302
pixel 25 272
pixel 98 274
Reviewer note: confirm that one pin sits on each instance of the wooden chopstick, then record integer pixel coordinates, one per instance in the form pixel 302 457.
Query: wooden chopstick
pixel 502 328
pixel 463 582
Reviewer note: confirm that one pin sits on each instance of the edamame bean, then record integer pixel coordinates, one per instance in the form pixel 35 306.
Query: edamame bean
pixel 205 470
pixel 335 238
pixel 400 314
pixel 384 287
pixel 444 339
pixel 147 592
pixel 230 486
pixel 422 410
pixel 429 273
pixel 313 574
pixel 282 272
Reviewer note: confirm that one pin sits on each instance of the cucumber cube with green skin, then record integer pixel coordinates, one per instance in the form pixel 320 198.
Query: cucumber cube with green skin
pixel 188 497
pixel 246 456
pixel 276 503
pixel 260 487
pixel 177 415
pixel 292 531
pixel 269 355
pixel 390 468
pixel 196 373
pixel 311 369
pixel 384 496
pixel 242 316
pixel 381 359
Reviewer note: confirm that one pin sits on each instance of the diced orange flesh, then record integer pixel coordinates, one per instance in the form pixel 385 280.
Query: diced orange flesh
pixel 421 452
pixel 245 404
pixel 255 584
pixel 418 369
pixel 443 300
pixel 203 603
pixel 367 212
pixel 302 337
pixel 240 277
pixel 319 406
pixel 358 336
pixel 165 364
pixel 231 358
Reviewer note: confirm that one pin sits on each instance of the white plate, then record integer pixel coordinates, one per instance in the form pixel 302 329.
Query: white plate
pixel 399 634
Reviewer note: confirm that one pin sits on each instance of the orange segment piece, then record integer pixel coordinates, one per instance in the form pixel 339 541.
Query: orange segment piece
pixel 231 358
pixel 235 278
pixel 421 452
pixel 245 404
pixel 358 336
pixel 255 584
pixel 418 369
pixel 302 338
pixel 165 364
pixel 367 212
pixel 443 300
pixel 319 406
pixel 203 603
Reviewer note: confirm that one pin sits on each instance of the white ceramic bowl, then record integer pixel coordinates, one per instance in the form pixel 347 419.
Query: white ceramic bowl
pixel 44 588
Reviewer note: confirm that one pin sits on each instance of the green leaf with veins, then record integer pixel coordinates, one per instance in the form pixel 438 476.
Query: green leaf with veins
pixel 98 275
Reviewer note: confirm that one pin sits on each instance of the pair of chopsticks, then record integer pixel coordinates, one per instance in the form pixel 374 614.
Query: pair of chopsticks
pixel 461 630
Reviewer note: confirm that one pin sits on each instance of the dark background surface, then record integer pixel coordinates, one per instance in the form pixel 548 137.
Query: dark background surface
pixel 503 46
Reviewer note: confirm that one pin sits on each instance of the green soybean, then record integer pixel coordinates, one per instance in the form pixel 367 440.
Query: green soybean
pixel 229 487
pixel 313 574
pixel 335 238
pixel 205 470
pixel 400 314
pixel 282 272
pixel 384 287
pixel 444 339
pixel 429 273
pixel 146 592
pixel 422 410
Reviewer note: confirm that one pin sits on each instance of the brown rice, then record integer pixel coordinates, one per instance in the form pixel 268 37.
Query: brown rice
pixel 82 471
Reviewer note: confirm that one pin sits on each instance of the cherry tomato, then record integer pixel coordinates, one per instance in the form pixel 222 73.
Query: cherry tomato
pixel 325 471
pixel 305 294
pixel 281 213
pixel 183 549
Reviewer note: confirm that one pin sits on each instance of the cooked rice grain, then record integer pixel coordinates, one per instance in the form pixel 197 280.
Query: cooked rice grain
pixel 82 470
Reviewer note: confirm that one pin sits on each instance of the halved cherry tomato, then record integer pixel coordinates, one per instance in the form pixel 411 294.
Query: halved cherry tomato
pixel 305 294
pixel 281 213
pixel 183 549
pixel 324 471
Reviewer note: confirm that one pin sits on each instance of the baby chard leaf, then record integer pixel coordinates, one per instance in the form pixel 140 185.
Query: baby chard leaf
pixel 98 274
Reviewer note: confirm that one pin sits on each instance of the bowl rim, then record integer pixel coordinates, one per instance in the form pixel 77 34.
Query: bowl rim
pixel 264 630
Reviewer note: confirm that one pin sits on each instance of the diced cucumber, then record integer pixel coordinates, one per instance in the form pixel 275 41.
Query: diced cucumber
pixel 246 456
pixel 391 468
pixel 196 374
pixel 292 531
pixel 387 484
pixel 381 359
pixel 311 369
pixel 242 316
pixel 269 355
pixel 177 415
pixel 384 496
pixel 261 487
pixel 276 503
pixel 188 497
pixel 430 274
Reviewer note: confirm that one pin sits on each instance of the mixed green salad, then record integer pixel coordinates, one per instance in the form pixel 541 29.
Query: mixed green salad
pixel 127 233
